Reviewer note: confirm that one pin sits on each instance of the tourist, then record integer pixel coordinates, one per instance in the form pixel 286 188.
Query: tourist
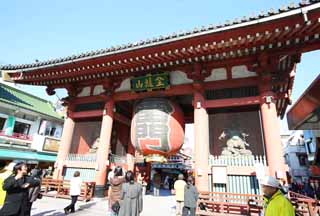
pixel 17 186
pixel 115 189
pixel 34 192
pixel 36 171
pixel 156 184
pixel 275 203
pixel 308 190
pixel 145 180
pixel 179 191
pixel 190 198
pixel 141 180
pixel 75 191
pixel 131 197
pixel 166 182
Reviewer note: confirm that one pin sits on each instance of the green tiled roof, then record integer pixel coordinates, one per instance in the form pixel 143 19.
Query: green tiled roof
pixel 27 101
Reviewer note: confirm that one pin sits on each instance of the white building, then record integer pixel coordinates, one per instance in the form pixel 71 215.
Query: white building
pixel 295 155
pixel 30 128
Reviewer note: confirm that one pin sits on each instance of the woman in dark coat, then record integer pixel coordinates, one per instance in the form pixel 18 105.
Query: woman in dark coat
pixel 17 187
pixel 190 198
pixel 131 197
pixel 34 192
pixel 115 187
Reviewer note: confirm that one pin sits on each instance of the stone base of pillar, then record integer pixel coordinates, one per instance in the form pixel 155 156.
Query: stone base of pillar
pixel 99 191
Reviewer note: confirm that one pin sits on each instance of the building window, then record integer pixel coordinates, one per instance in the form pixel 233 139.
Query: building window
pixel 302 159
pixel 21 128
pixel 52 131
pixel 286 158
pixel 2 122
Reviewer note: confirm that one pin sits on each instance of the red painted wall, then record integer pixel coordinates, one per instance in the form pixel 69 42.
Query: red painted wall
pixel 85 133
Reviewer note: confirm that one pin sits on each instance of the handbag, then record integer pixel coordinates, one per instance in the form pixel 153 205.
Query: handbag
pixel 202 206
pixel 115 207
pixel 39 196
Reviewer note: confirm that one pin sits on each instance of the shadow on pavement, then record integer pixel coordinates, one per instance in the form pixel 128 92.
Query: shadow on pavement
pixel 47 213
pixel 86 206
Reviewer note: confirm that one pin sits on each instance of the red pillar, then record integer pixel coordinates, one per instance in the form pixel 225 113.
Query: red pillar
pixel 103 149
pixel 272 137
pixel 201 148
pixel 64 148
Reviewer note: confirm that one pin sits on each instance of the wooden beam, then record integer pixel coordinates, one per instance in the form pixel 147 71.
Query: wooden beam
pixel 86 114
pixel 232 102
pixel 122 119
pixel 234 83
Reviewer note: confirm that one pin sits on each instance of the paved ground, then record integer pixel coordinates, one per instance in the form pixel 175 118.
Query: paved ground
pixel 164 205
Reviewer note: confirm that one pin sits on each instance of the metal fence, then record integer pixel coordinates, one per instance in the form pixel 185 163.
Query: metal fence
pixel 82 157
pixel 249 160
pixel 116 159
pixel 86 174
pixel 242 184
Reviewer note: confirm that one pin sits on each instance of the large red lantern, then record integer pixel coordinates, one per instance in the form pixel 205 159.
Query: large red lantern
pixel 157 128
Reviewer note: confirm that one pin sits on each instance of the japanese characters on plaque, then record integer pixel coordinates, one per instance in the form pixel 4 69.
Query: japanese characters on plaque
pixel 150 82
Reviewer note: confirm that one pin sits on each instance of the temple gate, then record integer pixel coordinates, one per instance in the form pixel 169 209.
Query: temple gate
pixel 231 81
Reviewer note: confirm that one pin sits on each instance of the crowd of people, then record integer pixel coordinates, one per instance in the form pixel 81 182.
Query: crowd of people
pixel 20 189
pixel 309 189
pixel 125 194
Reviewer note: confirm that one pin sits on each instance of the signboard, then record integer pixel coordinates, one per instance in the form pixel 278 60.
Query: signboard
pixel 51 144
pixel 150 82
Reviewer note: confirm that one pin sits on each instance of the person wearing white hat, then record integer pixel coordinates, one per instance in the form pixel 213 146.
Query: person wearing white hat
pixel 275 203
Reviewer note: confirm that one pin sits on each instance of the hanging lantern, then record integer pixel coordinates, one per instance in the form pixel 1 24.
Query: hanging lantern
pixel 157 128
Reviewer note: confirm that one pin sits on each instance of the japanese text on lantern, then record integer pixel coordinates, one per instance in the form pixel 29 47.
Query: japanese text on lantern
pixel 150 82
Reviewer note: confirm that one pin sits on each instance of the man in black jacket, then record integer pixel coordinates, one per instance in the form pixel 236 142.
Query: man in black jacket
pixel 17 186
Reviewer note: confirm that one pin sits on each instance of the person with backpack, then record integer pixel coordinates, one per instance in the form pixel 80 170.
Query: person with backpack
pixel 190 198
pixel 131 197
pixel 115 190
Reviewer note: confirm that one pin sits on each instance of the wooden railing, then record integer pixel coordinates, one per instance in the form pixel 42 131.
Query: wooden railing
pixel 304 205
pixel 60 188
pixel 218 203
pixel 213 203
pixel 16 136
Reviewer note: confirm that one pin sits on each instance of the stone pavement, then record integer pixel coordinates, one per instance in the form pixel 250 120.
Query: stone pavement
pixel 164 205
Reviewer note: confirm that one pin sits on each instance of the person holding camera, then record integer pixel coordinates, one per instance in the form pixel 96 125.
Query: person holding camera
pixel 17 188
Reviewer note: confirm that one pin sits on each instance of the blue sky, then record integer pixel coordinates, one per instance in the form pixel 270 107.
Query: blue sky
pixel 43 30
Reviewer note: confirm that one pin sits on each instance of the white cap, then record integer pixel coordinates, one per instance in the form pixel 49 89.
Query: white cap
pixel 271 181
